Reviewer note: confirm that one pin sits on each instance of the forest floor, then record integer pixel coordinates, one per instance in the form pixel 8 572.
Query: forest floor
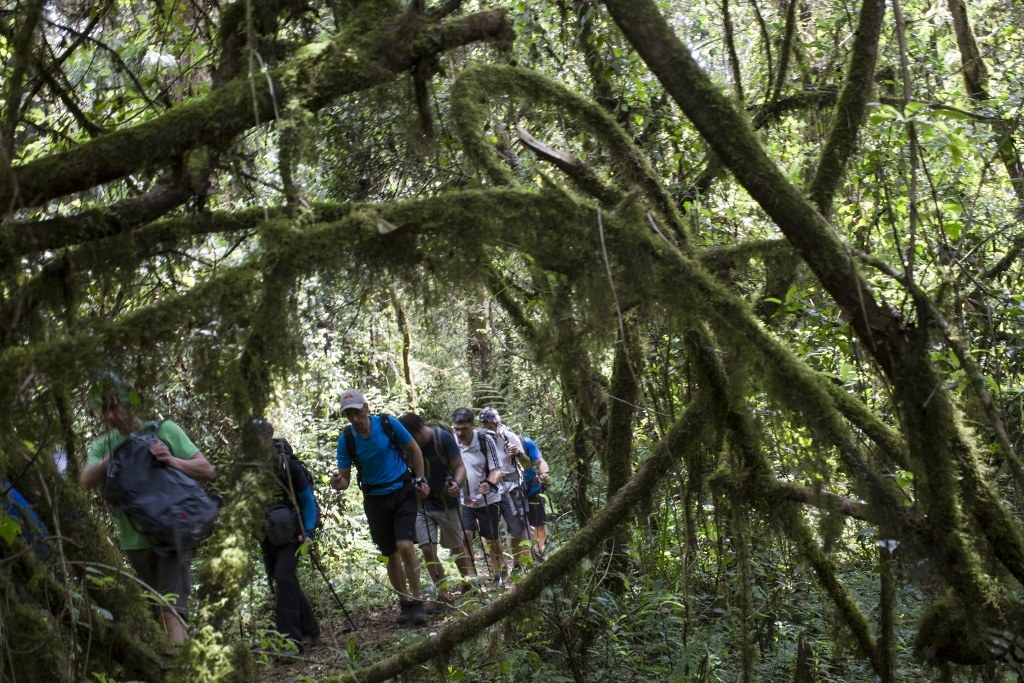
pixel 376 635
pixel 332 655
pixel 341 648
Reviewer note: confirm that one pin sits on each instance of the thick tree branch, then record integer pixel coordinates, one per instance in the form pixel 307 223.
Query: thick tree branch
pixel 324 73
pixel 94 224
pixel 730 136
pixel 851 107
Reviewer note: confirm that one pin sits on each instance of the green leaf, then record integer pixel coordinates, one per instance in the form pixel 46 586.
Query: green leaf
pixel 914 107
pixel 9 528
pixel 952 229
pixel 952 114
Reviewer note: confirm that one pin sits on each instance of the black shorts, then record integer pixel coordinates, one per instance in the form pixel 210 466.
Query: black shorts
pixel 486 517
pixel 511 506
pixel 391 518
pixel 535 510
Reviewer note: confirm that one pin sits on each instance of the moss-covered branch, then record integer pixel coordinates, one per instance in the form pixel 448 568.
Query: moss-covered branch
pixel 318 75
pixel 851 108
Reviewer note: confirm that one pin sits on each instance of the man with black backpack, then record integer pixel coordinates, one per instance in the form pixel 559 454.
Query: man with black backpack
pixel 291 522
pixel 166 570
pixel 389 467
pixel 439 519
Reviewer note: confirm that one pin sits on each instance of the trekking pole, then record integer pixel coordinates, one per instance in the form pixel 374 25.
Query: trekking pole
pixel 483 547
pixel 314 555
pixel 466 547
pixel 429 522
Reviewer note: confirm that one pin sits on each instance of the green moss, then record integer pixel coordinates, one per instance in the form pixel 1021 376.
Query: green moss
pixel 479 85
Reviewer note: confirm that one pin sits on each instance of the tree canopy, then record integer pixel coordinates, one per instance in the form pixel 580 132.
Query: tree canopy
pixel 761 258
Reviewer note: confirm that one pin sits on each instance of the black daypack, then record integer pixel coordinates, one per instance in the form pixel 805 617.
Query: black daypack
pixel 282 525
pixel 437 492
pixel 389 431
pixel 165 504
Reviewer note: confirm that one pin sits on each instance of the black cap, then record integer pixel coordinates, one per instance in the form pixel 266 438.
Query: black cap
pixel 261 427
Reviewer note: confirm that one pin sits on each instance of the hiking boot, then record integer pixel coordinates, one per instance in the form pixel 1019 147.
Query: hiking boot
pixel 537 553
pixel 309 640
pixel 417 616
pixel 403 613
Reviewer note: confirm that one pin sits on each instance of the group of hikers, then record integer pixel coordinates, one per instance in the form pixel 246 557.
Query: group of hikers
pixel 422 485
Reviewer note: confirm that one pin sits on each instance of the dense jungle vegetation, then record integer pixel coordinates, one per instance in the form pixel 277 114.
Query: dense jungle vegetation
pixel 748 272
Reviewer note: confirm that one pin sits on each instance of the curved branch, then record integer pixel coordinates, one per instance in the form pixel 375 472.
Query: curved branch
pixel 850 109
pixel 94 224
pixel 476 85
pixel 324 73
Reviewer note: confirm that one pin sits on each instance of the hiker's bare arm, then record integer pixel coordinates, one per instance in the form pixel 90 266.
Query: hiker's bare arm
pixel 458 476
pixel 197 467
pixel 341 479
pixel 92 475
pixel 514 447
pixel 414 456
pixel 494 476
pixel 543 472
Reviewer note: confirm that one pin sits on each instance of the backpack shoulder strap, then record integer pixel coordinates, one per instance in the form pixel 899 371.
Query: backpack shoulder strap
pixel 488 448
pixel 440 452
pixel 350 444
pixel 389 430
pixel 288 460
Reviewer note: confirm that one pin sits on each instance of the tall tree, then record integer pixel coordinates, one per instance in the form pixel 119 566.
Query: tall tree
pixel 176 181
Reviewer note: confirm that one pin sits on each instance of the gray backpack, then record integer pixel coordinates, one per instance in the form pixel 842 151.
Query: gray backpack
pixel 166 505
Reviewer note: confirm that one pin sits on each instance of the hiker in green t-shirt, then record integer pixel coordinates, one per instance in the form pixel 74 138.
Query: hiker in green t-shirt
pixel 166 574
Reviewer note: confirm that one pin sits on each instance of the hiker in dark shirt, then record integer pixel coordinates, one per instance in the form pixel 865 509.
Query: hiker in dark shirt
pixel 293 615
pixel 439 519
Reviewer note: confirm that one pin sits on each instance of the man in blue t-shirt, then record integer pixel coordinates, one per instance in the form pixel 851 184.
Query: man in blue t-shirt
pixel 383 456
pixel 535 479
